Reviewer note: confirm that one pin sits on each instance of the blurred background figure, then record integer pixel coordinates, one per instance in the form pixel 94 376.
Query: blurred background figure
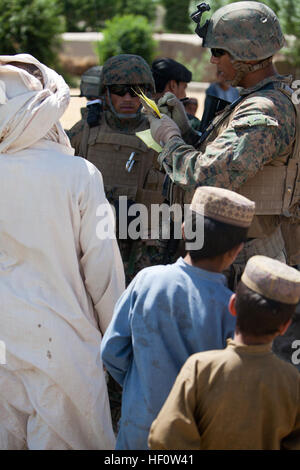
pixel 191 105
pixel 218 95
pixel 89 88
pixel 222 89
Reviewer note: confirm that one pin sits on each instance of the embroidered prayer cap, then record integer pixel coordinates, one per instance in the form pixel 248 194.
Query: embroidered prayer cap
pixel 272 279
pixel 223 205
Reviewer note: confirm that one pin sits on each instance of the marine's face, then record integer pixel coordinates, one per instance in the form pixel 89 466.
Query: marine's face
pixel 225 70
pixel 126 104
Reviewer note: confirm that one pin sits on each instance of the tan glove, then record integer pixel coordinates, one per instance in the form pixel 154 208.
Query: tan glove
pixel 172 107
pixel 163 129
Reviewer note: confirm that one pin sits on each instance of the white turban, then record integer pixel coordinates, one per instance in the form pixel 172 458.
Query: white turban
pixel 30 110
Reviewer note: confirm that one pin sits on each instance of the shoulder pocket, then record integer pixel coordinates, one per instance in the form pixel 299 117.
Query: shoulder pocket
pixel 254 120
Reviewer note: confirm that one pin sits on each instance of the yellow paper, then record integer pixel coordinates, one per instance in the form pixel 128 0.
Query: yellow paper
pixel 147 138
pixel 149 104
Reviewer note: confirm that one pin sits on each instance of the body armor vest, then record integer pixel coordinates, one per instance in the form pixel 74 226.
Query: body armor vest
pixel 128 167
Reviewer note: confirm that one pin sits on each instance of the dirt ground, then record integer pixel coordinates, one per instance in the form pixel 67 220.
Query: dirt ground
pixel 72 114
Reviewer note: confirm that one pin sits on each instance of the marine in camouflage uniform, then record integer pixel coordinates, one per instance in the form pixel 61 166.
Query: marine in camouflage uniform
pixel 128 167
pixel 89 88
pixel 248 147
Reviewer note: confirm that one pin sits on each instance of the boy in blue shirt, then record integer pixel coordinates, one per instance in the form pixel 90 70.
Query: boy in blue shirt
pixel 169 312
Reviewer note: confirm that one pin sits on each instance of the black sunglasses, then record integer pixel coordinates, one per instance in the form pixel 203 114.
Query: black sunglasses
pixel 121 90
pixel 217 52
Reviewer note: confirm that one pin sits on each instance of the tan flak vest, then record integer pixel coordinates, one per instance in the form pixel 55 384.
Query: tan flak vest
pixel 128 167
pixel 275 189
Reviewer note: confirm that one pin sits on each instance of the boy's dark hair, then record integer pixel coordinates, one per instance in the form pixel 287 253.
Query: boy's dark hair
pixel 257 315
pixel 165 69
pixel 218 236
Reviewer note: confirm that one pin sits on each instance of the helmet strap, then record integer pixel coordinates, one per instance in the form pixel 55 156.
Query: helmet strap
pixel 243 69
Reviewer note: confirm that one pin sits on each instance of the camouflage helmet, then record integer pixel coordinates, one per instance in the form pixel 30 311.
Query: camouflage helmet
pixel 90 82
pixel 247 30
pixel 126 69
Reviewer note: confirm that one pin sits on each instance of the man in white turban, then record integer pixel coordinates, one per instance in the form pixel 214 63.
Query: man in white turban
pixel 60 271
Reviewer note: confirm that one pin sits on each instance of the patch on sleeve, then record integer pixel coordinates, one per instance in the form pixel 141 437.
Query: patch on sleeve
pixel 254 120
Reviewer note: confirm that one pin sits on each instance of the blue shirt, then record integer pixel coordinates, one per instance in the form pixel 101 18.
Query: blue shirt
pixel 166 314
pixel 229 95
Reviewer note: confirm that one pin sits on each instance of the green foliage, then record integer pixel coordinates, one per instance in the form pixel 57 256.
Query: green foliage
pixel 136 7
pixel 127 34
pixel 31 26
pixel 83 15
pixel 177 18
pixel 196 66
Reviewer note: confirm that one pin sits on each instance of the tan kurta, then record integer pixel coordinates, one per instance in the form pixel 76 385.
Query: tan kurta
pixel 242 397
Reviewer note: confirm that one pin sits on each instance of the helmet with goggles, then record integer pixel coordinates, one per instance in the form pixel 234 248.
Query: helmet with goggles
pixel 246 30
pixel 127 69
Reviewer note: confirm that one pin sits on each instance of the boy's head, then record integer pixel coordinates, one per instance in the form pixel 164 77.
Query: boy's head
pixel 170 75
pixel 266 297
pixel 226 217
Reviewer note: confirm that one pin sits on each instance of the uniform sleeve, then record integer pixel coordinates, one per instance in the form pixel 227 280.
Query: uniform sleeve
pixel 292 441
pixel 175 427
pixel 116 345
pixel 253 138
pixel 100 261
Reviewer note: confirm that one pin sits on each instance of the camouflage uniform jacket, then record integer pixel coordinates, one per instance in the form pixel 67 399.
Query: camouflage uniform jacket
pixel 259 131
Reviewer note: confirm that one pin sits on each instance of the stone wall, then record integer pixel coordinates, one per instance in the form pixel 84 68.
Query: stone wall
pixel 77 52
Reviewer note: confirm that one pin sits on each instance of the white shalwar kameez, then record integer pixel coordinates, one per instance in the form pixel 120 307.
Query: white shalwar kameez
pixel 60 273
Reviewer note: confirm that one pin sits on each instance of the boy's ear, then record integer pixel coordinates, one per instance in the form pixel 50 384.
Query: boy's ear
pixel 171 85
pixel 182 231
pixel 236 250
pixel 282 329
pixel 231 305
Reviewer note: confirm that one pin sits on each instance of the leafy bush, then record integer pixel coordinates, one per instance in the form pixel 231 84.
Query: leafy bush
pixel 31 26
pixel 127 34
pixel 177 19
pixel 196 66
pixel 136 7
pixel 83 15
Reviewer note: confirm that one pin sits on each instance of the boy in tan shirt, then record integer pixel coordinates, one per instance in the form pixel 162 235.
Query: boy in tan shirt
pixel 243 397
